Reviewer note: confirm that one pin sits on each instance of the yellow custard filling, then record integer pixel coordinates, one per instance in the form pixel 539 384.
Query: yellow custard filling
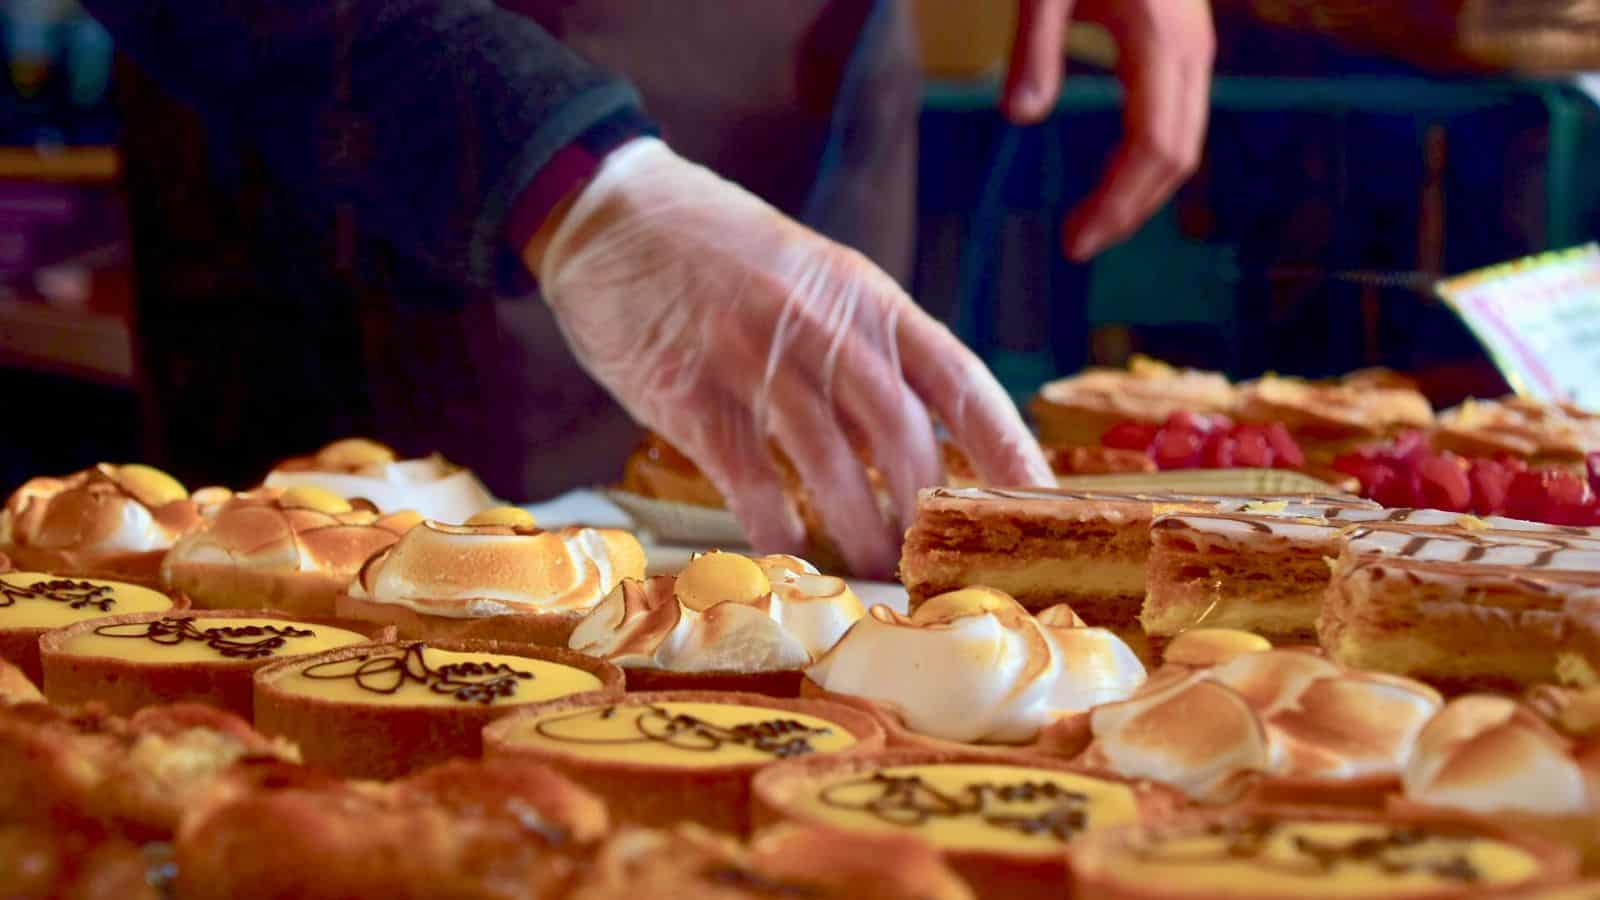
pixel 418 675
pixel 179 639
pixel 974 806
pixel 681 734
pixel 1324 859
pixel 37 600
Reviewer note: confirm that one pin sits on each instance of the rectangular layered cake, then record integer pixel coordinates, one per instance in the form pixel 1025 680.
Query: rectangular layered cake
pixel 1466 610
pixel 1086 549
pixel 1263 568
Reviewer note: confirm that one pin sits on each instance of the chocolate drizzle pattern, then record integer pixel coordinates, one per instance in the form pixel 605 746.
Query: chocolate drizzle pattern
pixel 910 802
pixel 469 682
pixel 781 738
pixel 75 594
pixel 1396 852
pixel 230 641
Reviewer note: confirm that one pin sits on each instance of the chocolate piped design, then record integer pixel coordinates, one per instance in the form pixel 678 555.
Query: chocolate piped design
pixel 75 594
pixel 1392 853
pixel 231 641
pixel 782 738
pixel 468 682
pixel 910 802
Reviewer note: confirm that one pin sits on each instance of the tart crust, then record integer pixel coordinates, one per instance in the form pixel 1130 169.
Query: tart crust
pixel 714 796
pixel 369 740
pixel 992 873
pixel 544 629
pixel 1094 861
pixel 125 686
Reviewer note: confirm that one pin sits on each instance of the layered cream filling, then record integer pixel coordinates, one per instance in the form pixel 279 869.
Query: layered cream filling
pixel 1320 859
pixel 418 675
pixel 37 600
pixel 974 666
pixel 967 806
pixel 175 640
pixel 679 734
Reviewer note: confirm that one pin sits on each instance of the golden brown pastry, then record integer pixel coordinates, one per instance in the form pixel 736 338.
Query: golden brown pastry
pixel 109 521
pixel 501 830
pixel 53 863
pixel 690 863
pixel 134 776
pixel 1076 411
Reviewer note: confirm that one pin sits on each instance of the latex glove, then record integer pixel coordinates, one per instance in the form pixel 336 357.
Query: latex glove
pixel 1165 51
pixel 720 323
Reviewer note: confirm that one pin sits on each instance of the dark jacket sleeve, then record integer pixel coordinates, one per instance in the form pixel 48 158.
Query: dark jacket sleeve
pixel 427 117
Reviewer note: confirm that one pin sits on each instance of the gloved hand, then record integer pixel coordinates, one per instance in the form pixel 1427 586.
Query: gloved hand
pixel 721 323
pixel 1165 50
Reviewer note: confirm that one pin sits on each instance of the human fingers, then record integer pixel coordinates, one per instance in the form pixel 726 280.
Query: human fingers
pixel 724 441
pixel 807 429
pixel 961 392
pixel 1033 79
pixel 1166 53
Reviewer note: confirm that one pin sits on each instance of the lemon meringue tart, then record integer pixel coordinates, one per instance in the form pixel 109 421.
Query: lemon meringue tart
pixel 382 710
pixel 499 576
pixel 1287 853
pixel 1229 721
pixel 725 623
pixel 293 550
pixel 1001 823
pixel 131 661
pixel 109 521
pixel 662 757
pixel 973 667
pixel 360 468
pixel 32 603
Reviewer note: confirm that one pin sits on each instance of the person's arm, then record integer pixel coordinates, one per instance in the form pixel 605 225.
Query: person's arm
pixel 432 118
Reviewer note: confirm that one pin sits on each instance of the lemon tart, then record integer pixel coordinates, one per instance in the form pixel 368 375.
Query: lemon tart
pixel 1001 822
pixel 1287 853
pixel 382 710
pixel 292 549
pixel 725 622
pixel 663 757
pixel 33 603
pixel 132 661
pixel 498 576
pixel 108 521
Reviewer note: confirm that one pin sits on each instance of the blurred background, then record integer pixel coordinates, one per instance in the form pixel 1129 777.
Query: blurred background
pixel 1358 151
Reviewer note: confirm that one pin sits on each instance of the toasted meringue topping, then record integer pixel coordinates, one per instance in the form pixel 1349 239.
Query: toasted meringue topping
pixel 716 623
pixel 1488 754
pixel 974 666
pixel 270 530
pixel 103 510
pixel 471 571
pixel 1287 712
pixel 357 467
pixel 1199 647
